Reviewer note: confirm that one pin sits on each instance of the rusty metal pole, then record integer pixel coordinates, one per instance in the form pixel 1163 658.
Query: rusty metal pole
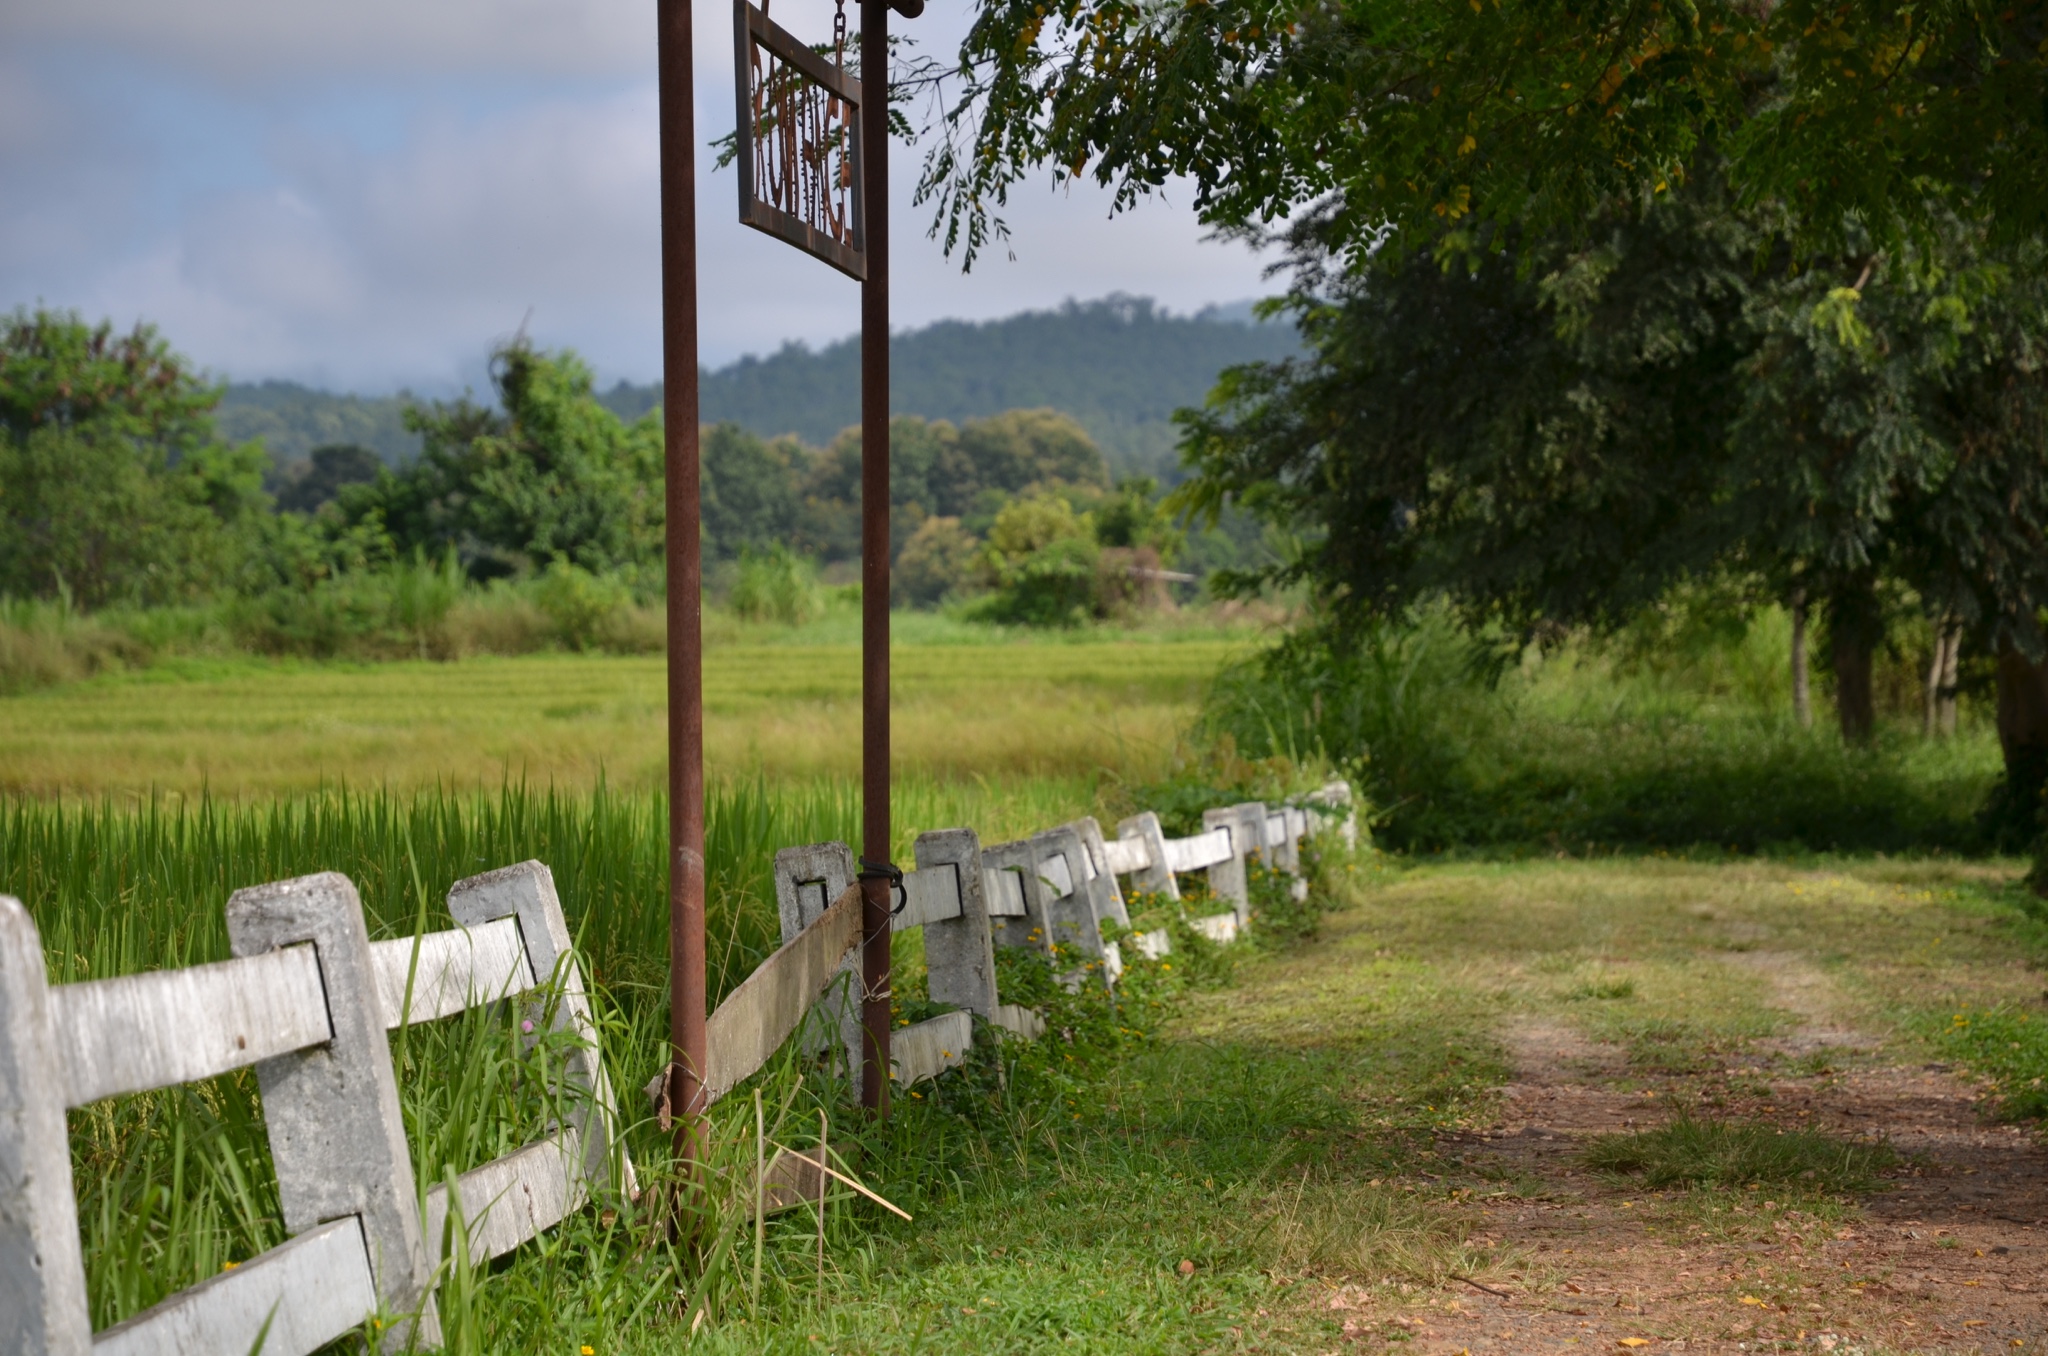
pixel 685 582
pixel 874 549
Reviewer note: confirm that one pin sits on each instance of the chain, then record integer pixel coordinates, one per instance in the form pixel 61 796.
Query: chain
pixel 839 36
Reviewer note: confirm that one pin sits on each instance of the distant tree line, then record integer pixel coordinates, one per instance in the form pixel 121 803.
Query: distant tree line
pixel 115 487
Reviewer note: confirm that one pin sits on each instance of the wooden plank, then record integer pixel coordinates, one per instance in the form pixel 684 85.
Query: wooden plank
pixel 1022 1021
pixel 1125 855
pixel 1058 874
pixel 1204 849
pixel 166 1027
pixel 456 969
pixel 511 1199
pixel 929 896
pixel 927 1049
pixel 759 1015
pixel 1005 890
pixel 311 1290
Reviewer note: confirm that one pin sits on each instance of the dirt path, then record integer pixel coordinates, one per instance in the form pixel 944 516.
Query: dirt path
pixel 1953 1258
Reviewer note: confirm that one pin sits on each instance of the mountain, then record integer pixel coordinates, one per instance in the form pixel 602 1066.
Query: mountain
pixel 1120 366
pixel 292 420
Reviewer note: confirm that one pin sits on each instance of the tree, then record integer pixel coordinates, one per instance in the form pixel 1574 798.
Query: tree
pixel 320 478
pixel 113 485
pixel 553 473
pixel 1561 444
pixel 752 491
pixel 1408 117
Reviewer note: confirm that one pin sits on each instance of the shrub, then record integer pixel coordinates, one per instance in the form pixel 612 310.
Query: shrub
pixel 776 585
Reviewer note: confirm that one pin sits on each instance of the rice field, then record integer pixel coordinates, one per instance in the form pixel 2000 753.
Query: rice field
pixel 789 712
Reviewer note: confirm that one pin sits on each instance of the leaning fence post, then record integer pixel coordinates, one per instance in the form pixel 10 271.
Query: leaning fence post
pixel 337 1137
pixel 1231 880
pixel 527 893
pixel 959 953
pixel 1156 878
pixel 42 1268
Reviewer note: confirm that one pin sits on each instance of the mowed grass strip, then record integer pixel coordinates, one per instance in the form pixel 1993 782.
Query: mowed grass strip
pixel 786 711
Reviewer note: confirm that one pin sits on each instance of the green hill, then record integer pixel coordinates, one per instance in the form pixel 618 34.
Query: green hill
pixel 1120 366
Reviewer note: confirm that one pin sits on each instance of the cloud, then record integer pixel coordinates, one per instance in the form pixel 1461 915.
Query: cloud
pixel 261 40
pixel 383 231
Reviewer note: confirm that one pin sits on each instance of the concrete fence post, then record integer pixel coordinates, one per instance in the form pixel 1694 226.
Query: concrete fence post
pixel 807 881
pixel 42 1268
pixel 959 953
pixel 1157 878
pixel 337 1137
pixel 1109 896
pixel 1017 914
pixel 1230 880
pixel 526 892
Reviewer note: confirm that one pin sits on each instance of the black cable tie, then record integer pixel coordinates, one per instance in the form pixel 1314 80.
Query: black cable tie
pixel 892 873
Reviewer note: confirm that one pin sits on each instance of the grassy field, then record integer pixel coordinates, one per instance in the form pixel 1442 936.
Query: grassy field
pixel 786 707
pixel 1300 1154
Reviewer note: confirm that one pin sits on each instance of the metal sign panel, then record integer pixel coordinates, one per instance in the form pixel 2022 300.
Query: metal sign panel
pixel 798 143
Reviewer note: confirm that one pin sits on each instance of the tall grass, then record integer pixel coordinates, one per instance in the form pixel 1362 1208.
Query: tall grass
pixel 1464 743
pixel 174 1185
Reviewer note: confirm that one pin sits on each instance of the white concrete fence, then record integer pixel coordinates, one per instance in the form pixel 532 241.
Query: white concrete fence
pixel 308 1000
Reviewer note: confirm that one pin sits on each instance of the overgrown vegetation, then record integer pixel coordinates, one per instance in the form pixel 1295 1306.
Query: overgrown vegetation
pixel 1691 1152
pixel 175 1185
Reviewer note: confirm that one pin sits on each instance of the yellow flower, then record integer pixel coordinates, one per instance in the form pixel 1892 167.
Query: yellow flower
pixel 587 1351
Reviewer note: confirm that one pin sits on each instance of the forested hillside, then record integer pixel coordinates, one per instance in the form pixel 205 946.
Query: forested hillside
pixel 1120 366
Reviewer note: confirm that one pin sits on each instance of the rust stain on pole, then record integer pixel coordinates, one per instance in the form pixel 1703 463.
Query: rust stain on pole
pixel 685 577
pixel 874 549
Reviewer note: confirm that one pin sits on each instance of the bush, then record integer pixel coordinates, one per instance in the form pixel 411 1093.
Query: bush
pixel 45 643
pixel 937 562
pixel 582 607
pixel 776 585
pixel 1460 742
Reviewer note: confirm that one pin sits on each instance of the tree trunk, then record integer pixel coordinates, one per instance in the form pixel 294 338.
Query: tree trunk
pixel 2023 738
pixel 1802 693
pixel 1945 696
pixel 1855 627
pixel 1939 716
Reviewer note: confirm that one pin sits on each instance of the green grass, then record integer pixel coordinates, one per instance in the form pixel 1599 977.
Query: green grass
pixel 1689 1152
pixel 1465 744
pixel 1007 709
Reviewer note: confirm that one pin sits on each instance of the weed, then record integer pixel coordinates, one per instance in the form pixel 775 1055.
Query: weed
pixel 1688 1152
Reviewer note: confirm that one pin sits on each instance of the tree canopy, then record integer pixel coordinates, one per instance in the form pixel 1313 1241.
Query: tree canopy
pixel 113 485
pixel 1413 117
pixel 1561 445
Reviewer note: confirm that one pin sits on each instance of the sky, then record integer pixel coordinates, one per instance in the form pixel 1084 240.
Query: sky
pixel 367 195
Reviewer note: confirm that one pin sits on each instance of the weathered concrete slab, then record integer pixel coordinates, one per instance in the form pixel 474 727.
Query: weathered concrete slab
pixel 1108 897
pixel 336 1136
pixel 42 1269
pixel 524 894
pixel 1020 1020
pixel 1070 911
pixel 929 1048
pixel 1199 853
pixel 1126 856
pixel 1016 894
pixel 1220 928
pixel 512 1199
pixel 455 971
pixel 959 952
pixel 309 1291
pixel 758 1016
pixel 1153 875
pixel 808 880
pixel 1229 880
pixel 930 895
pixel 165 1027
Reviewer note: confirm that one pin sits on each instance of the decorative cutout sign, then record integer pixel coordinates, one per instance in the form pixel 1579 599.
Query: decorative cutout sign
pixel 798 142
